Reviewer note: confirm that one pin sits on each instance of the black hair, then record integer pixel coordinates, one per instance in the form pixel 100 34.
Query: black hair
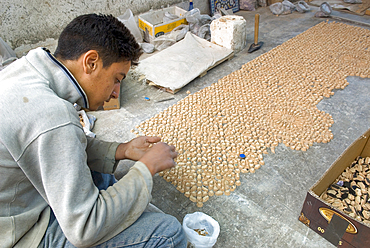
pixel 103 33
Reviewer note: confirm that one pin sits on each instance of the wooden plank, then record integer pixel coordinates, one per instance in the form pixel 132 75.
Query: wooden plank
pixel 162 88
pixel 216 64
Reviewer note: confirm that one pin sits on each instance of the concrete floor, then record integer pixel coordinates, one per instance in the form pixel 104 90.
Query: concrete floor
pixel 264 210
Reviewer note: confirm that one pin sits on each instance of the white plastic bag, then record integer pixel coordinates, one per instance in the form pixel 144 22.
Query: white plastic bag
pixel 277 8
pixel 7 55
pixel 302 7
pixel 162 42
pixel 147 47
pixel 201 222
pixel 280 8
pixel 193 15
pixel 179 32
pixel 129 20
pixel 168 17
pixel 87 122
pixel 326 8
pixel 248 5
pixel 204 32
pixel 288 4
pixel 167 40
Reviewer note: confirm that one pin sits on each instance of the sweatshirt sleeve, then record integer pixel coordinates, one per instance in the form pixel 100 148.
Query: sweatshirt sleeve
pixel 56 163
pixel 101 155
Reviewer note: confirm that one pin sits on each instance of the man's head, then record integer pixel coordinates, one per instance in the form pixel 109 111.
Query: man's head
pixel 103 33
pixel 98 50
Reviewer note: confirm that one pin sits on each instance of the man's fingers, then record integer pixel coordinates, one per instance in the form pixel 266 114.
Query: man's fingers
pixel 153 139
pixel 173 164
pixel 173 148
pixel 173 151
pixel 175 154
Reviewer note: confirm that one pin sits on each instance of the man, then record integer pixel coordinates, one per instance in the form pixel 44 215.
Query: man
pixel 47 193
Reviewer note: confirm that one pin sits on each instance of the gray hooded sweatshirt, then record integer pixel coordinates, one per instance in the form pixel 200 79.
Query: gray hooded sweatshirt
pixel 45 161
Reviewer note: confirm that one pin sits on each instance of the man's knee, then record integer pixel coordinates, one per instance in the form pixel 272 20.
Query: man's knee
pixel 170 223
pixel 174 231
pixel 174 223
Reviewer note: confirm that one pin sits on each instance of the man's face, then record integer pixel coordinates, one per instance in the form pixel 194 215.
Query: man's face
pixel 105 84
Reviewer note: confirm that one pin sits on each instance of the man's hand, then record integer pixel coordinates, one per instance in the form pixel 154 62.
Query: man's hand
pixel 160 157
pixel 136 148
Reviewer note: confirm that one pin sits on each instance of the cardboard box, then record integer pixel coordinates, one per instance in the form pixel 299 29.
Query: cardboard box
pixel 337 227
pixel 269 2
pixel 112 104
pixel 151 23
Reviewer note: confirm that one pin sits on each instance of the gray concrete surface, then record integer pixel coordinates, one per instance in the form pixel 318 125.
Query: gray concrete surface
pixel 264 210
pixel 29 22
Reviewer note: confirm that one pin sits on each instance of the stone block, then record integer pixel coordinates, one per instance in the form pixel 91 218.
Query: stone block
pixel 230 31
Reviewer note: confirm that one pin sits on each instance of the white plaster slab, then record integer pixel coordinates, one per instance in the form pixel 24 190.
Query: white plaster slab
pixel 182 62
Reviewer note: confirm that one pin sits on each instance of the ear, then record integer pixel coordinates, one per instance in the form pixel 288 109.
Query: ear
pixel 90 61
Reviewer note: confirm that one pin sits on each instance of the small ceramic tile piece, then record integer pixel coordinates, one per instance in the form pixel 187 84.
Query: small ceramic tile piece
pixel 270 100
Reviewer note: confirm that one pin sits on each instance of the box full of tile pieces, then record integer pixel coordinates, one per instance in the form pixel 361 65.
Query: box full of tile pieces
pixel 337 206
